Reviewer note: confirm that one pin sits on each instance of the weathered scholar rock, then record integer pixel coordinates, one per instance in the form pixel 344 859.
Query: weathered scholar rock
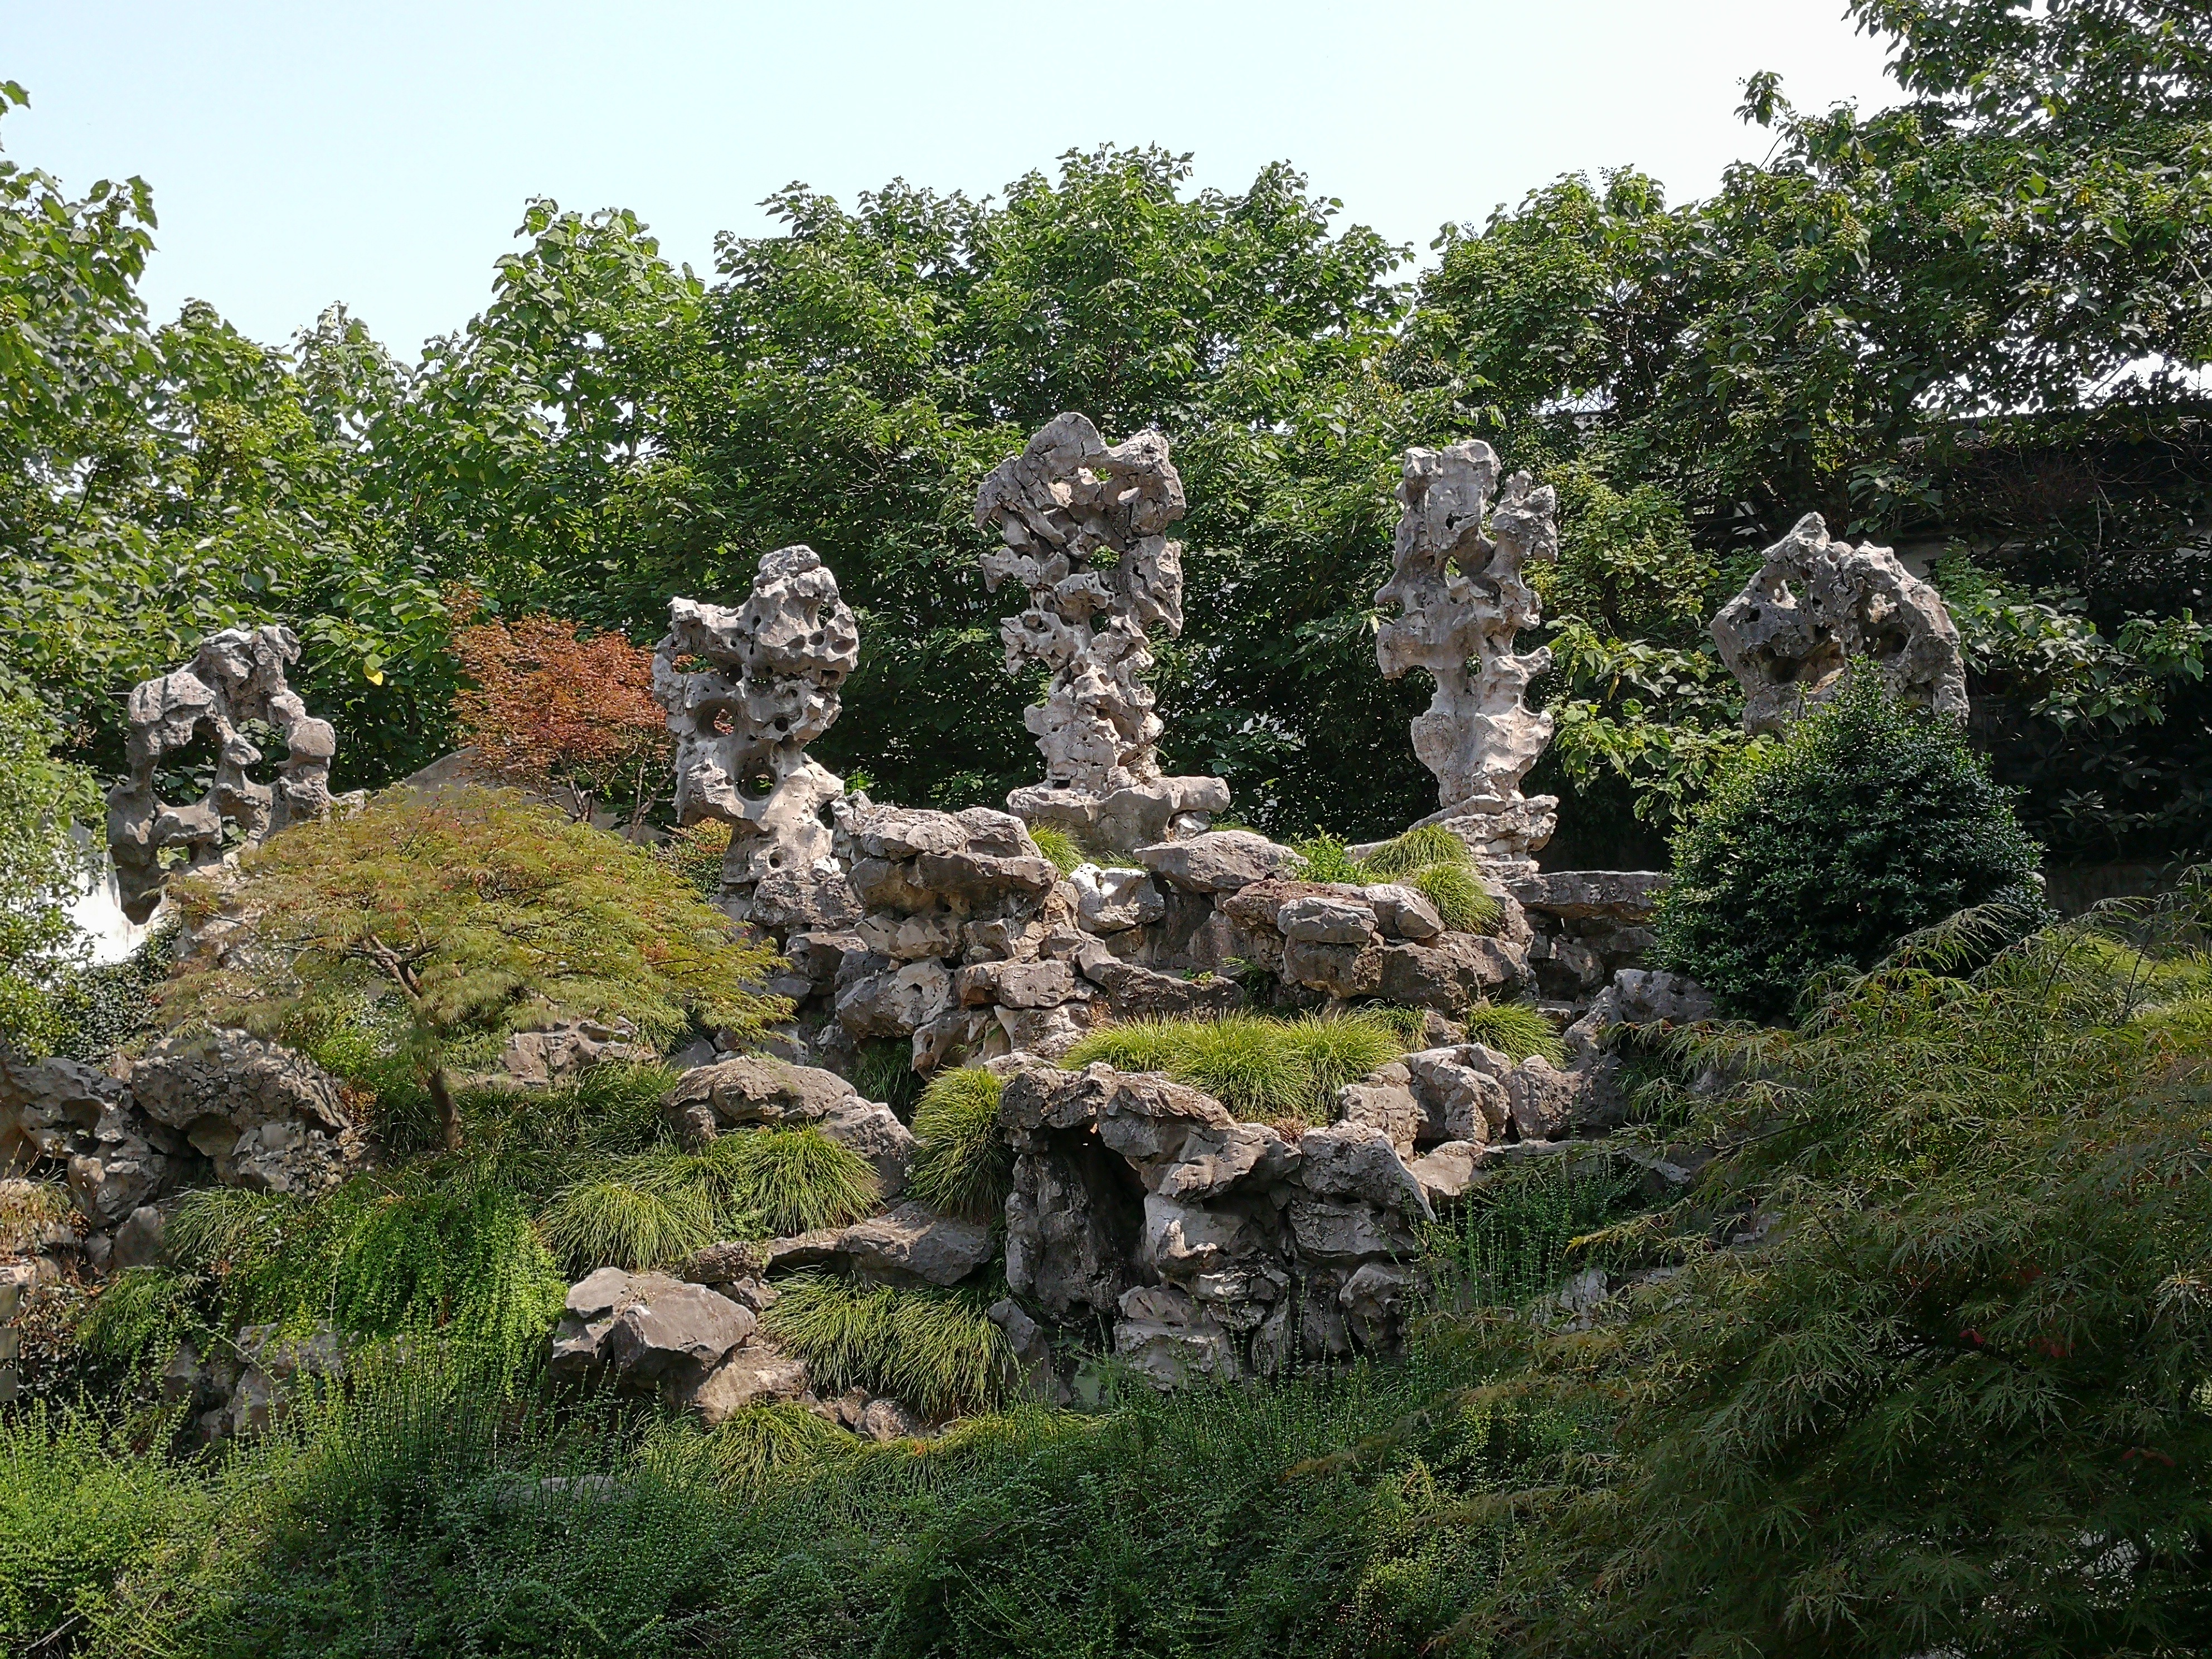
pixel 742 723
pixel 237 676
pixel 1215 1248
pixel 1064 501
pixel 1818 604
pixel 1458 597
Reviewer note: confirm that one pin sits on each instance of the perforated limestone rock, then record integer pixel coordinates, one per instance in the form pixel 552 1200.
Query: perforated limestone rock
pixel 236 677
pixel 765 684
pixel 1456 598
pixel 1818 604
pixel 1084 526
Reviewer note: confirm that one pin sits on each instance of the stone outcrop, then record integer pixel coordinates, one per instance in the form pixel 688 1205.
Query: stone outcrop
pixel 1455 600
pixel 1587 925
pixel 1214 1248
pixel 1084 527
pixel 563 1051
pixel 767 688
pixel 216 1106
pixel 237 676
pixel 1818 605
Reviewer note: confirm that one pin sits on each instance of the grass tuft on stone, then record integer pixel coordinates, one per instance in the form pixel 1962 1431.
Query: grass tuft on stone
pixel 1516 1030
pixel 1262 1068
pixel 936 1351
pixel 962 1164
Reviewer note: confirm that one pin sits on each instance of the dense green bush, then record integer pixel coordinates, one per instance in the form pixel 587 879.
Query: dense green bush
pixel 1927 1372
pixel 1870 821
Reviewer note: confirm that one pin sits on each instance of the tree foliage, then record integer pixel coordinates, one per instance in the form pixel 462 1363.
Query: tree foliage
pixel 472 913
pixel 41 867
pixel 544 708
pixel 1928 1374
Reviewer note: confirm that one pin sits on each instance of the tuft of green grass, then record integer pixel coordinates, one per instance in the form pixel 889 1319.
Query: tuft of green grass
pixel 1463 904
pixel 750 1451
pixel 1060 847
pixel 1341 1049
pixel 1431 860
pixel 1516 1030
pixel 1263 1069
pixel 884 1071
pixel 792 1180
pixel 615 1223
pixel 1417 849
pixel 962 1164
pixel 937 1351
pixel 1517 1240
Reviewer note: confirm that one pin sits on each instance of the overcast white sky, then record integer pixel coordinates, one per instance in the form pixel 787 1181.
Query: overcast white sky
pixel 302 152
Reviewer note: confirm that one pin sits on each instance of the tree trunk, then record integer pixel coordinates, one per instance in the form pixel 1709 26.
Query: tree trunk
pixel 449 1109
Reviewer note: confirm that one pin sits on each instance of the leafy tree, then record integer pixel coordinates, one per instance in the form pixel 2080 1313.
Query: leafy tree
pixel 473 912
pixel 1928 1374
pixel 547 708
pixel 42 799
pixel 1870 820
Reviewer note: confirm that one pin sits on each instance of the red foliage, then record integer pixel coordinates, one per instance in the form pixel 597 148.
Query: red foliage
pixel 547 707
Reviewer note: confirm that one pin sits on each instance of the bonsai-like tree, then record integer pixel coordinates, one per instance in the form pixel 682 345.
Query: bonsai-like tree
pixel 548 708
pixel 481 912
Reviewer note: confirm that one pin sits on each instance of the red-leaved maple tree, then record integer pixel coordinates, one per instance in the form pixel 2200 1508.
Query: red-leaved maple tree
pixel 556 712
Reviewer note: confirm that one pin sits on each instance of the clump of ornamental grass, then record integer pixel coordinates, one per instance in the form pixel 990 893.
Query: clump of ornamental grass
pixel 1060 847
pixel 1260 1068
pixel 1516 1030
pixel 962 1164
pixel 937 1351
pixel 754 1447
pixel 657 1207
pixel 1430 859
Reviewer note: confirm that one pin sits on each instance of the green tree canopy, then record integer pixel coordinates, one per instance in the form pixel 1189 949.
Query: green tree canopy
pixel 467 914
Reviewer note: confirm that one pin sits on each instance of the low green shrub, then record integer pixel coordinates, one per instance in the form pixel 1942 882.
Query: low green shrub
pixel 935 1350
pixel 1516 1030
pixel 99 1009
pixel 962 1164
pixel 1262 1068
pixel 1513 1240
pixel 1869 822
pixel 141 1314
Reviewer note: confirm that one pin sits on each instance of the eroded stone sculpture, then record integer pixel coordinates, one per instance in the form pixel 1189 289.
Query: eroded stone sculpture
pixel 1084 527
pixel 742 722
pixel 1456 598
pixel 235 677
pixel 1817 604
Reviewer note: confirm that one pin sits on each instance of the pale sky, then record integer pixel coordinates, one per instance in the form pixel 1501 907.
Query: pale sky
pixel 305 152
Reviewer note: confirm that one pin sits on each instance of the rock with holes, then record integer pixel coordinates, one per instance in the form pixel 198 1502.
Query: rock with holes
pixel 1083 525
pixel 1457 598
pixel 1818 605
pixel 235 678
pixel 746 690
